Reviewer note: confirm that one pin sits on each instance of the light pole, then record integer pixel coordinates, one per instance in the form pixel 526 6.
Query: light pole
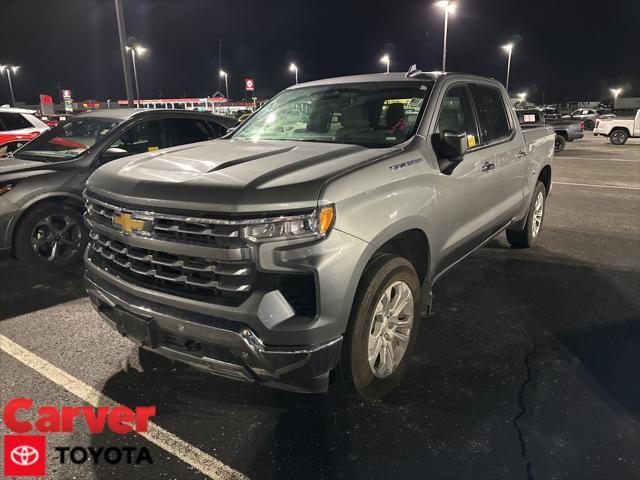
pixel 140 51
pixel 122 35
pixel 294 68
pixel 448 8
pixel 9 69
pixel 508 48
pixel 616 93
pixel 226 83
pixel 386 60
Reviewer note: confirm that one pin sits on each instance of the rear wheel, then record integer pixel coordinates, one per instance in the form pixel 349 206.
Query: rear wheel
pixel 51 236
pixel 618 137
pixel 559 144
pixel 528 237
pixel 383 327
pixel 589 125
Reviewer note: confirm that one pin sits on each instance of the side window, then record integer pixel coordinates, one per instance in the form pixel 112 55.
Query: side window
pixel 494 123
pixel 456 114
pixel 190 130
pixel 217 129
pixel 144 137
pixel 15 121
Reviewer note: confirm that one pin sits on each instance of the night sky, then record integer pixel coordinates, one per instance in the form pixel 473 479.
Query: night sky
pixel 565 49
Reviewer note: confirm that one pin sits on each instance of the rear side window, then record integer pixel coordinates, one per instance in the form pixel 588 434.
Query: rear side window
pixel 217 129
pixel 144 137
pixel 190 130
pixel 456 114
pixel 494 123
pixel 14 121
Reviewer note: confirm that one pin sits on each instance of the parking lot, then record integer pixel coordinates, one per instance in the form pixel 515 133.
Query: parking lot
pixel 526 369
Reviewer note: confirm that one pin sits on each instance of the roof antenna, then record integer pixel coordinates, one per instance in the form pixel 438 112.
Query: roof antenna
pixel 413 71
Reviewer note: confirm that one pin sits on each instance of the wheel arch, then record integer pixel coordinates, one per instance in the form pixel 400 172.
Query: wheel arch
pixel 63 197
pixel 545 177
pixel 624 129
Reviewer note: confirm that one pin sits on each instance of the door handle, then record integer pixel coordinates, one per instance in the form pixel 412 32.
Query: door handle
pixel 487 167
pixel 521 154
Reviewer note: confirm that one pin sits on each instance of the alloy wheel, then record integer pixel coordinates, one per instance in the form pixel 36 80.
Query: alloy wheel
pixel 390 329
pixel 56 238
pixel 538 211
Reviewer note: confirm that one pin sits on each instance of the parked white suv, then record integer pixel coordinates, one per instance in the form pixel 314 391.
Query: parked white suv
pixel 17 127
pixel 618 129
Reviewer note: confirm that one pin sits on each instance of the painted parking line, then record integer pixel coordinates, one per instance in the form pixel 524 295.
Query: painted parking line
pixel 193 456
pixel 568 157
pixel 596 186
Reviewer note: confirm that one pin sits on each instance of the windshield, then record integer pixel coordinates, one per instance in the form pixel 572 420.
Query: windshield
pixel 68 140
pixel 376 114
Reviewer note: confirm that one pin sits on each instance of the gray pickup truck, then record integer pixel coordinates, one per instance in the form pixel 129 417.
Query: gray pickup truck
pixel 308 241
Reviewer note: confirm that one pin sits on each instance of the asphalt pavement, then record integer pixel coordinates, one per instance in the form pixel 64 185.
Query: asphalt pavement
pixel 528 367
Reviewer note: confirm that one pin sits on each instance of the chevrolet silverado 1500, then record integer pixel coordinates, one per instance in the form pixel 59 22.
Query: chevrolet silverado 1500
pixel 308 240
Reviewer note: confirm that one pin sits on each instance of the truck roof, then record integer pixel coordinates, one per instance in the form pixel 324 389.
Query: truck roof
pixel 389 77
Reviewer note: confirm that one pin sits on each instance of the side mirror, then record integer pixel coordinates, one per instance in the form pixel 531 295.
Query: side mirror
pixel 113 153
pixel 450 145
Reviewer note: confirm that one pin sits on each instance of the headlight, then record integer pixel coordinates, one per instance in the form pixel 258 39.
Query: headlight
pixel 5 188
pixel 312 225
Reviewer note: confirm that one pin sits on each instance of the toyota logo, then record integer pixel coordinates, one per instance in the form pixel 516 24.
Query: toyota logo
pixel 24 455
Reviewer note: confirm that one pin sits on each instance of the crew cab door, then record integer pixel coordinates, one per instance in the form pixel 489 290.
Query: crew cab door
pixel 466 215
pixel 499 131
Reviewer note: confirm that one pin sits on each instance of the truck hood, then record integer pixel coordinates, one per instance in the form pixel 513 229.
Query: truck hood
pixel 230 175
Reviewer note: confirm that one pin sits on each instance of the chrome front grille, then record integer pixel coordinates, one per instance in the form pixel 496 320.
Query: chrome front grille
pixel 179 228
pixel 173 253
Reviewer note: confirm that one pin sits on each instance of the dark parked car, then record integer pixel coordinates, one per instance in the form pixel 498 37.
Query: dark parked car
pixel 566 130
pixel 41 183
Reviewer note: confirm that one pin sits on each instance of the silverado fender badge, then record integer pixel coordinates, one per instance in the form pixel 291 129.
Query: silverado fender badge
pixel 408 163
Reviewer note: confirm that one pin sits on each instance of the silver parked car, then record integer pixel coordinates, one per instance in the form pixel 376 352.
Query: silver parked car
pixel 310 239
pixel 41 183
pixel 589 116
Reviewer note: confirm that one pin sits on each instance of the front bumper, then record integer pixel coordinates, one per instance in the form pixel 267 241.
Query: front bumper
pixel 211 344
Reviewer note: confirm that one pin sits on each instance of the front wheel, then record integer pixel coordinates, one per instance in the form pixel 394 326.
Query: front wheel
pixel 383 327
pixel 51 236
pixel 528 237
pixel 559 144
pixel 619 137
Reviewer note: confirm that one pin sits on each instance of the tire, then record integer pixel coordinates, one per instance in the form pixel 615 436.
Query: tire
pixel 528 237
pixel 45 226
pixel 589 125
pixel 559 144
pixel 371 381
pixel 619 136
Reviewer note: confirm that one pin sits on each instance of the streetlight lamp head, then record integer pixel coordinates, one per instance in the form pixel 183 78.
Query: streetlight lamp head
pixel 385 59
pixel 293 67
pixel 15 68
pixel 616 92
pixel 443 3
pixel 141 50
pixel 223 73
pixel 508 47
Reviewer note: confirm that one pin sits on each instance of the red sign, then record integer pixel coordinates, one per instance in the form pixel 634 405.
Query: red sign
pixel 24 455
pixel 248 84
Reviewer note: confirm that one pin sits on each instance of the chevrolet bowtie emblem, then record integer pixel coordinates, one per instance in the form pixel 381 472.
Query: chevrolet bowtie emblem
pixel 128 223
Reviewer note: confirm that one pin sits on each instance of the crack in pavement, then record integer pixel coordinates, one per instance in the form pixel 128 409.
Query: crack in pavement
pixel 523 410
